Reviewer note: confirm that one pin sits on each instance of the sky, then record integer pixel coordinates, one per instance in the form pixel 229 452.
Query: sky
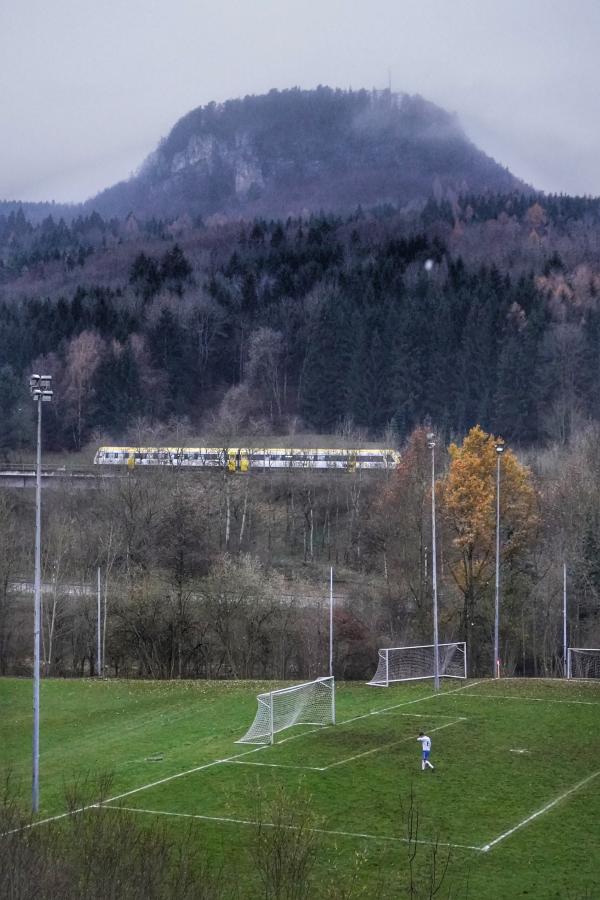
pixel 88 89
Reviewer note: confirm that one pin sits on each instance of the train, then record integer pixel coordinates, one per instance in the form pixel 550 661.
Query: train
pixel 245 459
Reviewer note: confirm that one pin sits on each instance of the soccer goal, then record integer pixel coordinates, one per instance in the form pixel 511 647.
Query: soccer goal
pixel 312 703
pixel 583 662
pixel 413 663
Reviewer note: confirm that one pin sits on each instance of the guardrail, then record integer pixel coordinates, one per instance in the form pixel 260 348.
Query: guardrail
pixel 26 468
pixel 25 477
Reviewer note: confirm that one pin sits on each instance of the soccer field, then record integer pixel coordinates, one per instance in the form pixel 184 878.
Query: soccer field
pixel 514 799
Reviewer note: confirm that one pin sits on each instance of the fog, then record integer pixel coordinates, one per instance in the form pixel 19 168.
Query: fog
pixel 88 90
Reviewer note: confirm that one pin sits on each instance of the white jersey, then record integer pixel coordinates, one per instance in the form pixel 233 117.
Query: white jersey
pixel 425 742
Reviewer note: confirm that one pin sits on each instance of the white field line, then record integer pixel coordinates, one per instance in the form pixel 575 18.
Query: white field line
pixel 545 680
pixel 479 696
pixel 539 812
pixel 217 762
pixel 348 759
pixel 244 762
pixel 433 716
pixel 351 834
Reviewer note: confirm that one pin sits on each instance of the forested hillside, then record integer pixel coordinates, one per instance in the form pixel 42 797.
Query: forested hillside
pixel 316 323
pixel 476 304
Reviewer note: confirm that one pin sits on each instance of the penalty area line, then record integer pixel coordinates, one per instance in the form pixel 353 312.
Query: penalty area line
pixel 248 762
pixel 435 696
pixel 404 740
pixel 539 812
pixel 326 831
pixel 530 699
pixel 379 712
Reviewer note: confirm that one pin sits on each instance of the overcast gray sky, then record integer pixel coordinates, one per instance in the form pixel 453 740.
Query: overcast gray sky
pixel 88 88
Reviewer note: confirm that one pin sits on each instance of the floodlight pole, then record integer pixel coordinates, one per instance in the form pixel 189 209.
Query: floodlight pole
pixel 331 621
pixel 436 655
pixel 99 642
pixel 565 648
pixel 496 662
pixel 39 386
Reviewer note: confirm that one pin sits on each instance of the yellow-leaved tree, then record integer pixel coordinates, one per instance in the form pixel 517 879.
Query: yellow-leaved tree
pixel 468 502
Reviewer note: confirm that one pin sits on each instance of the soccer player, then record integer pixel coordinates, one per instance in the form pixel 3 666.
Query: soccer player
pixel 425 742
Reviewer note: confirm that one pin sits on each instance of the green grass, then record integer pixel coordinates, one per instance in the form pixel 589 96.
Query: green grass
pixel 479 791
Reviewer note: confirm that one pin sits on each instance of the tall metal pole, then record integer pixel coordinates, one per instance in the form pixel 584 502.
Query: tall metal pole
pixel 37 613
pixel 99 643
pixel 436 655
pixel 496 662
pixel 565 648
pixel 104 623
pixel 331 621
pixel 39 386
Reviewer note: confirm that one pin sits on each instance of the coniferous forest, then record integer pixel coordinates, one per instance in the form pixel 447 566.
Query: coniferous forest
pixel 307 324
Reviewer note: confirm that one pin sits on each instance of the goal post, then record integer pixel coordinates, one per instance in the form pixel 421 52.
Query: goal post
pixel 583 662
pixel 311 703
pixel 414 663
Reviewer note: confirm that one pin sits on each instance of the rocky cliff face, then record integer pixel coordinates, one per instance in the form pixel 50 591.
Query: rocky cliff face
pixel 205 154
pixel 290 151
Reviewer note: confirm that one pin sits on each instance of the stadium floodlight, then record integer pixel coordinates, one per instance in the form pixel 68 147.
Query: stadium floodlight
pixel 40 387
pixel 416 663
pixel 496 664
pixel 583 662
pixel 436 667
pixel 311 703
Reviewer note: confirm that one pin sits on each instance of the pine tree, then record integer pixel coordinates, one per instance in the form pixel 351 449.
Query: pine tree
pixel 324 386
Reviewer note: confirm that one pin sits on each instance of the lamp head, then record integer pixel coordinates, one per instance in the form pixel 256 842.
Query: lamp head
pixel 40 387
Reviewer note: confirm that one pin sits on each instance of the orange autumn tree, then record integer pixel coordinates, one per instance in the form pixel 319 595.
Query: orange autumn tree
pixel 468 502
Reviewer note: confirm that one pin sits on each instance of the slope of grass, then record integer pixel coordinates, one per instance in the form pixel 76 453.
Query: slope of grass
pixel 503 752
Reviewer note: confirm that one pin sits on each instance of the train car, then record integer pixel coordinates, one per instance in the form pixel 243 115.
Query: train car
pixel 295 458
pixel 244 459
pixel 204 457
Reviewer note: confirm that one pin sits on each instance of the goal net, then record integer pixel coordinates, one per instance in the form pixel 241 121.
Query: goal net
pixel 412 663
pixel 312 703
pixel 583 662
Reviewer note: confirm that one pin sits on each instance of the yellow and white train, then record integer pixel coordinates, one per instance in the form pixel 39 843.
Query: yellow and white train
pixel 244 459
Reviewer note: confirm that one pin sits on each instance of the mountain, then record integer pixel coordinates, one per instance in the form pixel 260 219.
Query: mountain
pixel 290 151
